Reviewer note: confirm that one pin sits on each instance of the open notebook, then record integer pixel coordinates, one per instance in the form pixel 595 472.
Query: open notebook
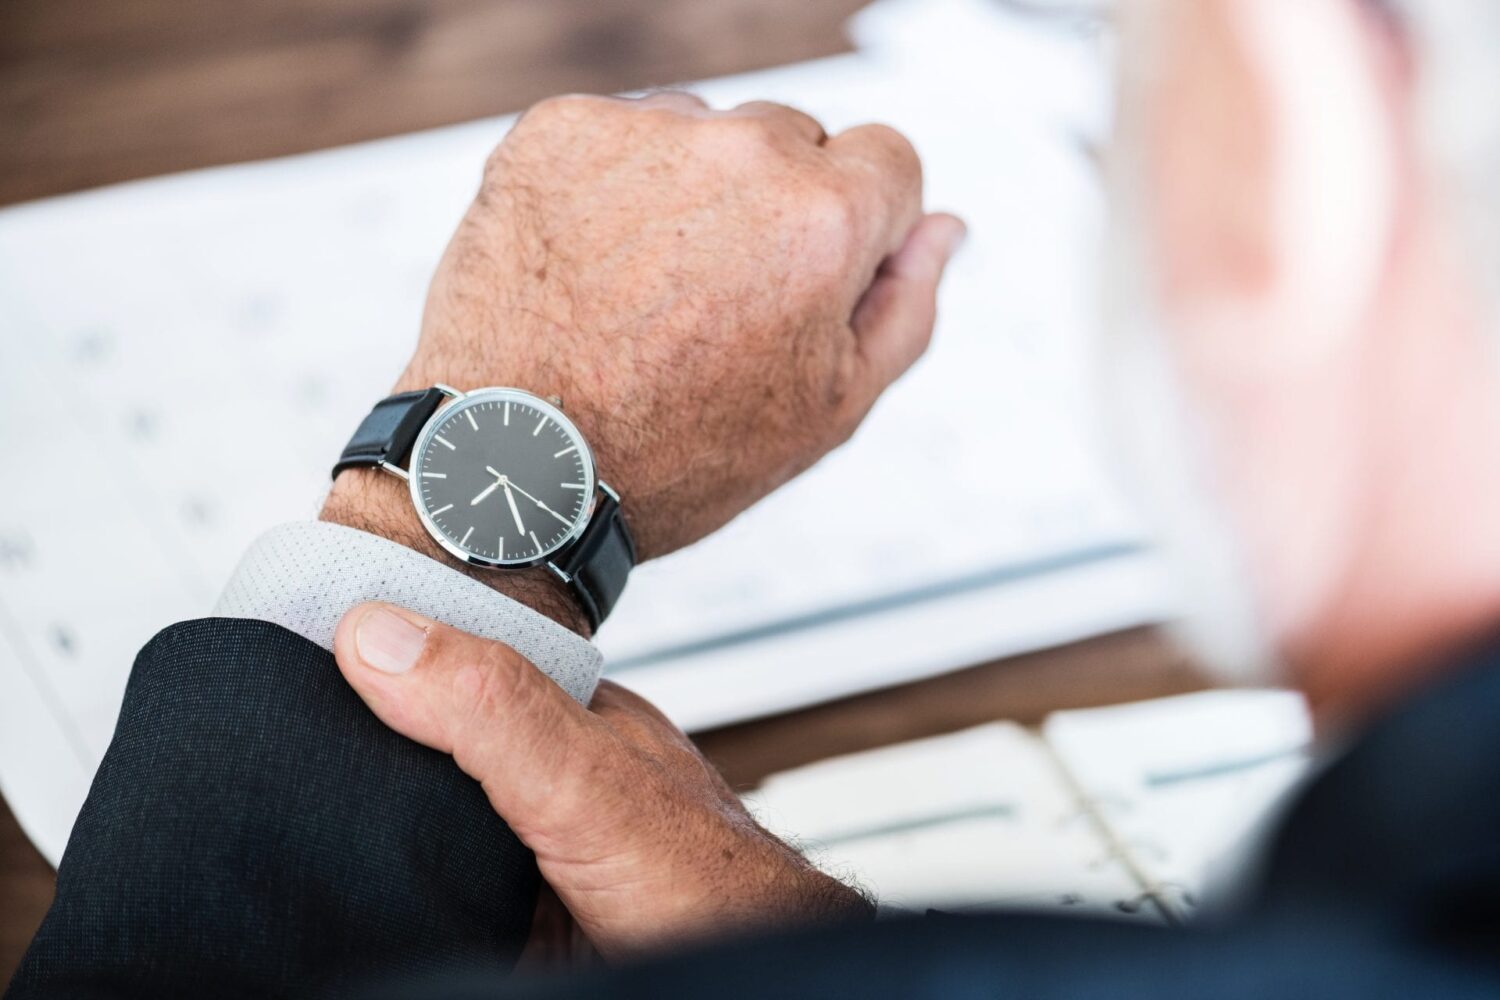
pixel 1142 812
pixel 144 325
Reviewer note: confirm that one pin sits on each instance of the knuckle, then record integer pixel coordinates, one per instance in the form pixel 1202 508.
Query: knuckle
pixel 671 99
pixel 904 160
pixel 545 118
pixel 740 139
pixel 884 170
pixel 488 681
pixel 894 153
pixel 783 119
pixel 562 108
pixel 832 216
pixel 508 684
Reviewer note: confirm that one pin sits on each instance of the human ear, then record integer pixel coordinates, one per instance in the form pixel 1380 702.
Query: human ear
pixel 1274 171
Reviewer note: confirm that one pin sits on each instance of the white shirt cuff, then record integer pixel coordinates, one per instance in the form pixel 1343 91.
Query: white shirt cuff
pixel 305 576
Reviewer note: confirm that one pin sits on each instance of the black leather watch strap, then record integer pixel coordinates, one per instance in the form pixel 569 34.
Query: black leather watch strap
pixel 599 563
pixel 388 433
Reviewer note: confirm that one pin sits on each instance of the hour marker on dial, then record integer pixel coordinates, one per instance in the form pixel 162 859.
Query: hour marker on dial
pixel 470 415
pixel 465 540
pixel 444 442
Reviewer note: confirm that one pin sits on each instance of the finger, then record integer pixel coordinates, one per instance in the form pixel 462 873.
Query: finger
pixel 612 699
pixel 893 321
pixel 627 712
pixel 505 722
pixel 798 123
pixel 677 100
pixel 885 173
pixel 643 724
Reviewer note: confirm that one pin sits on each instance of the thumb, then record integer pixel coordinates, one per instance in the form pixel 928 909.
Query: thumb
pixel 893 320
pixel 506 723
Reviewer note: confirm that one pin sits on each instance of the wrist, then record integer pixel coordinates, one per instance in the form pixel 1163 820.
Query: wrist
pixel 376 502
pixel 824 899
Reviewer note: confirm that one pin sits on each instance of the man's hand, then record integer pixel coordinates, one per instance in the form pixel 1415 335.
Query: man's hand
pixel 717 297
pixel 635 832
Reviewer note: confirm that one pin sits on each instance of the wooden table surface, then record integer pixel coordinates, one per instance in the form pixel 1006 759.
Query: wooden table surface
pixel 93 92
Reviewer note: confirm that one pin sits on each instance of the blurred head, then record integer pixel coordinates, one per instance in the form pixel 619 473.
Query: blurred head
pixel 1306 329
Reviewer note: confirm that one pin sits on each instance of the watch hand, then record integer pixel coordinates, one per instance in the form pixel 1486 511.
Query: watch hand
pixel 514 510
pixel 549 510
pixel 492 487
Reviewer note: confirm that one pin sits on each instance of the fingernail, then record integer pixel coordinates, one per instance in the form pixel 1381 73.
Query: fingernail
pixel 387 641
pixel 957 233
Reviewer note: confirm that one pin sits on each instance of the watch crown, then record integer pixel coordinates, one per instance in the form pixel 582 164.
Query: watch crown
pixel 555 401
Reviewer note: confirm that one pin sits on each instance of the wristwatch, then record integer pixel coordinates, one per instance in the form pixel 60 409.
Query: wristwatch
pixel 501 479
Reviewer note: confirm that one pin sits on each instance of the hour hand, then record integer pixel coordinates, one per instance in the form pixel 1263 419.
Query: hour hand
pixel 492 487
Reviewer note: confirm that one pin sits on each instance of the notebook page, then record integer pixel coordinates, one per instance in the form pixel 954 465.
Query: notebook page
pixel 1185 785
pixel 976 819
pixel 1150 811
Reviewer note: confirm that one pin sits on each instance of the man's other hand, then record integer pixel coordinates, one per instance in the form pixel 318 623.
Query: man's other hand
pixel 717 297
pixel 639 837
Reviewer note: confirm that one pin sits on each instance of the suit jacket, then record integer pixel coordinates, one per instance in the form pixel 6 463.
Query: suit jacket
pixel 255 831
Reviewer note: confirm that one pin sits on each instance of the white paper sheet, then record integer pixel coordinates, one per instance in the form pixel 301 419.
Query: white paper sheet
pixel 143 326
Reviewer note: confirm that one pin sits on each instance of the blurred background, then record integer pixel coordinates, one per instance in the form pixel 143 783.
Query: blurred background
pixel 1043 747
pixel 93 93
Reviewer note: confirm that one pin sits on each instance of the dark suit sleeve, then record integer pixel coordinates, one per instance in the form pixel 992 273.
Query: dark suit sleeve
pixel 1311 953
pixel 255 831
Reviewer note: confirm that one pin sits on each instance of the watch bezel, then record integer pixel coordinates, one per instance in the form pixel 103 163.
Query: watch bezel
pixel 499 393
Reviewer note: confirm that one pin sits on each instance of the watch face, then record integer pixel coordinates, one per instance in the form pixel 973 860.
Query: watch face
pixel 502 478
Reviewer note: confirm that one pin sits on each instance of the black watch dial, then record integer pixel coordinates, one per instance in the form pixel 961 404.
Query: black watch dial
pixel 502 478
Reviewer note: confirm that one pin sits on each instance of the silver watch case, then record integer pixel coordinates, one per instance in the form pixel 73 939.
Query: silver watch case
pixel 553 412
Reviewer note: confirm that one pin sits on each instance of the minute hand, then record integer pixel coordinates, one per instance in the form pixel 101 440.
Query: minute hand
pixel 534 500
pixel 514 512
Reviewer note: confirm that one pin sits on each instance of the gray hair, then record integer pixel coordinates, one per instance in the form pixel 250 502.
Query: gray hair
pixel 1458 65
